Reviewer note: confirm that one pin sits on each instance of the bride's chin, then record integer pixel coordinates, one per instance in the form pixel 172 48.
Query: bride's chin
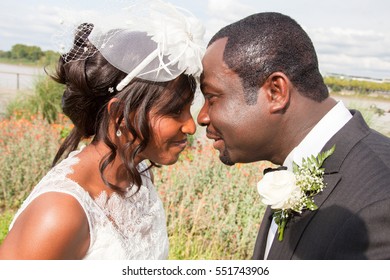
pixel 169 161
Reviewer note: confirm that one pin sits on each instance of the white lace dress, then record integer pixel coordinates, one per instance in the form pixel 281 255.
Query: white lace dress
pixel 130 227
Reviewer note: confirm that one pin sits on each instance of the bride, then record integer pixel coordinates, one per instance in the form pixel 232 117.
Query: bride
pixel 130 90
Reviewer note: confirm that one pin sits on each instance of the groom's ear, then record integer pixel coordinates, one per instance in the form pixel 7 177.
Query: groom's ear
pixel 277 90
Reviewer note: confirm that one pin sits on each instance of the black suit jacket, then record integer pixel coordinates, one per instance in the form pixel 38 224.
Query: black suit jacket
pixel 353 219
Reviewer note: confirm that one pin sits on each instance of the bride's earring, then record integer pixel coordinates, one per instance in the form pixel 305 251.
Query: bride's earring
pixel 119 133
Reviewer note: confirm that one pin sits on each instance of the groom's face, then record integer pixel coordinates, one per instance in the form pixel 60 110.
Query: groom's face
pixel 239 130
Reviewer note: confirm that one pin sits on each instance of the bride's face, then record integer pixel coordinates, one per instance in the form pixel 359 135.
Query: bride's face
pixel 169 135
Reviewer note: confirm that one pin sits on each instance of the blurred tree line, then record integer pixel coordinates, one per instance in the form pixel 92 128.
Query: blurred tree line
pixel 29 54
pixel 337 84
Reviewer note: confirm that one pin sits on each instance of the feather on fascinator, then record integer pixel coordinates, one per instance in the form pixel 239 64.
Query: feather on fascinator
pixel 156 42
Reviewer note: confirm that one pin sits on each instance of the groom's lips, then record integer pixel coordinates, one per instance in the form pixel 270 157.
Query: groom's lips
pixel 217 139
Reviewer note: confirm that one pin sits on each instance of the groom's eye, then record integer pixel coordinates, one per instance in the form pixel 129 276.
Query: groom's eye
pixel 208 96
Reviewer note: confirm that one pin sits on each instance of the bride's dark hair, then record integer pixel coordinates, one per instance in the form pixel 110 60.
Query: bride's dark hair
pixel 90 84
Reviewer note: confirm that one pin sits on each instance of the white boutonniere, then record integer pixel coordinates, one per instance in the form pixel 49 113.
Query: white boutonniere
pixel 292 192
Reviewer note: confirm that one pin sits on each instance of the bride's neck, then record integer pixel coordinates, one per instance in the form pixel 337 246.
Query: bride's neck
pixel 87 172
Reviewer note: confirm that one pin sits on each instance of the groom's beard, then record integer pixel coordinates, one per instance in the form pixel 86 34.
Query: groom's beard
pixel 225 157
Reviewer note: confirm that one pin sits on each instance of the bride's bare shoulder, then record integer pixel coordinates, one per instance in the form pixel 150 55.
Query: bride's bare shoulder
pixel 53 226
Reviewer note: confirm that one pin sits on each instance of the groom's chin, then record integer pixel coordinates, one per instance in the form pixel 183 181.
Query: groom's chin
pixel 225 159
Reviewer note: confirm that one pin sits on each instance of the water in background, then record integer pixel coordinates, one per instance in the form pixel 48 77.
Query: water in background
pixel 12 76
pixel 16 79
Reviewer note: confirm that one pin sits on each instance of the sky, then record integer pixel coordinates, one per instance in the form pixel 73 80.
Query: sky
pixel 351 37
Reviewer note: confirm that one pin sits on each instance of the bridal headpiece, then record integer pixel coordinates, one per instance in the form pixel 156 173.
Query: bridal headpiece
pixel 168 41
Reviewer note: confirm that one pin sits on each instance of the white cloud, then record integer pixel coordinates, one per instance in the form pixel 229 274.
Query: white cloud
pixel 30 25
pixel 363 66
pixel 222 13
pixel 363 50
pixel 40 25
pixel 354 42
pixel 352 51
pixel 228 10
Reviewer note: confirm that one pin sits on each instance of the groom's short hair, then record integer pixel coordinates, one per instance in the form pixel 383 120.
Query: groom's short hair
pixel 264 43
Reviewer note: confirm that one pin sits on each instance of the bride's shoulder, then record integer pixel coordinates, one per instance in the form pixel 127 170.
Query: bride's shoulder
pixel 53 225
pixel 57 207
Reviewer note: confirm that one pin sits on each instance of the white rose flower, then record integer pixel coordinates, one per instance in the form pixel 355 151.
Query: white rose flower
pixel 279 190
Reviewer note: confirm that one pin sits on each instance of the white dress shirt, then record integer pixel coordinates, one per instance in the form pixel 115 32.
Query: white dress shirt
pixel 312 144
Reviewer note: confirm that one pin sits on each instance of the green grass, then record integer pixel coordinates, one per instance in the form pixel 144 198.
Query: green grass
pixel 5 221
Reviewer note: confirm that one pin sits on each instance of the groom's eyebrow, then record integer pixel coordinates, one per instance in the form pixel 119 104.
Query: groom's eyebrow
pixel 206 89
pixel 202 86
pixel 202 82
pixel 205 86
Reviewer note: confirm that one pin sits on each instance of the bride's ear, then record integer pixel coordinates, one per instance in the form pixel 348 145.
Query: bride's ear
pixel 115 117
pixel 113 106
pixel 115 111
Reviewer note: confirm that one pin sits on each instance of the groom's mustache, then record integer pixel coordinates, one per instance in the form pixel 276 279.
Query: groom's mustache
pixel 212 135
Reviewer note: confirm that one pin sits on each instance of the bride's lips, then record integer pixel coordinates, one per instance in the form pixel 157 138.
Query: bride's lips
pixel 181 143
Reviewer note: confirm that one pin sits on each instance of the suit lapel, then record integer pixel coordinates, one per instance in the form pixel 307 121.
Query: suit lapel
pixel 261 240
pixel 344 140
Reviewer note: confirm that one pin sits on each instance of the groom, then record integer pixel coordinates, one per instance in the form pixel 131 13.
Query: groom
pixel 265 99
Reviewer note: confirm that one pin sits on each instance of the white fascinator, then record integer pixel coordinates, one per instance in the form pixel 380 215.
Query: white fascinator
pixel 165 41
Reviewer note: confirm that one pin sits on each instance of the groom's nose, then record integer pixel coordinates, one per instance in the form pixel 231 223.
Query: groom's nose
pixel 203 117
